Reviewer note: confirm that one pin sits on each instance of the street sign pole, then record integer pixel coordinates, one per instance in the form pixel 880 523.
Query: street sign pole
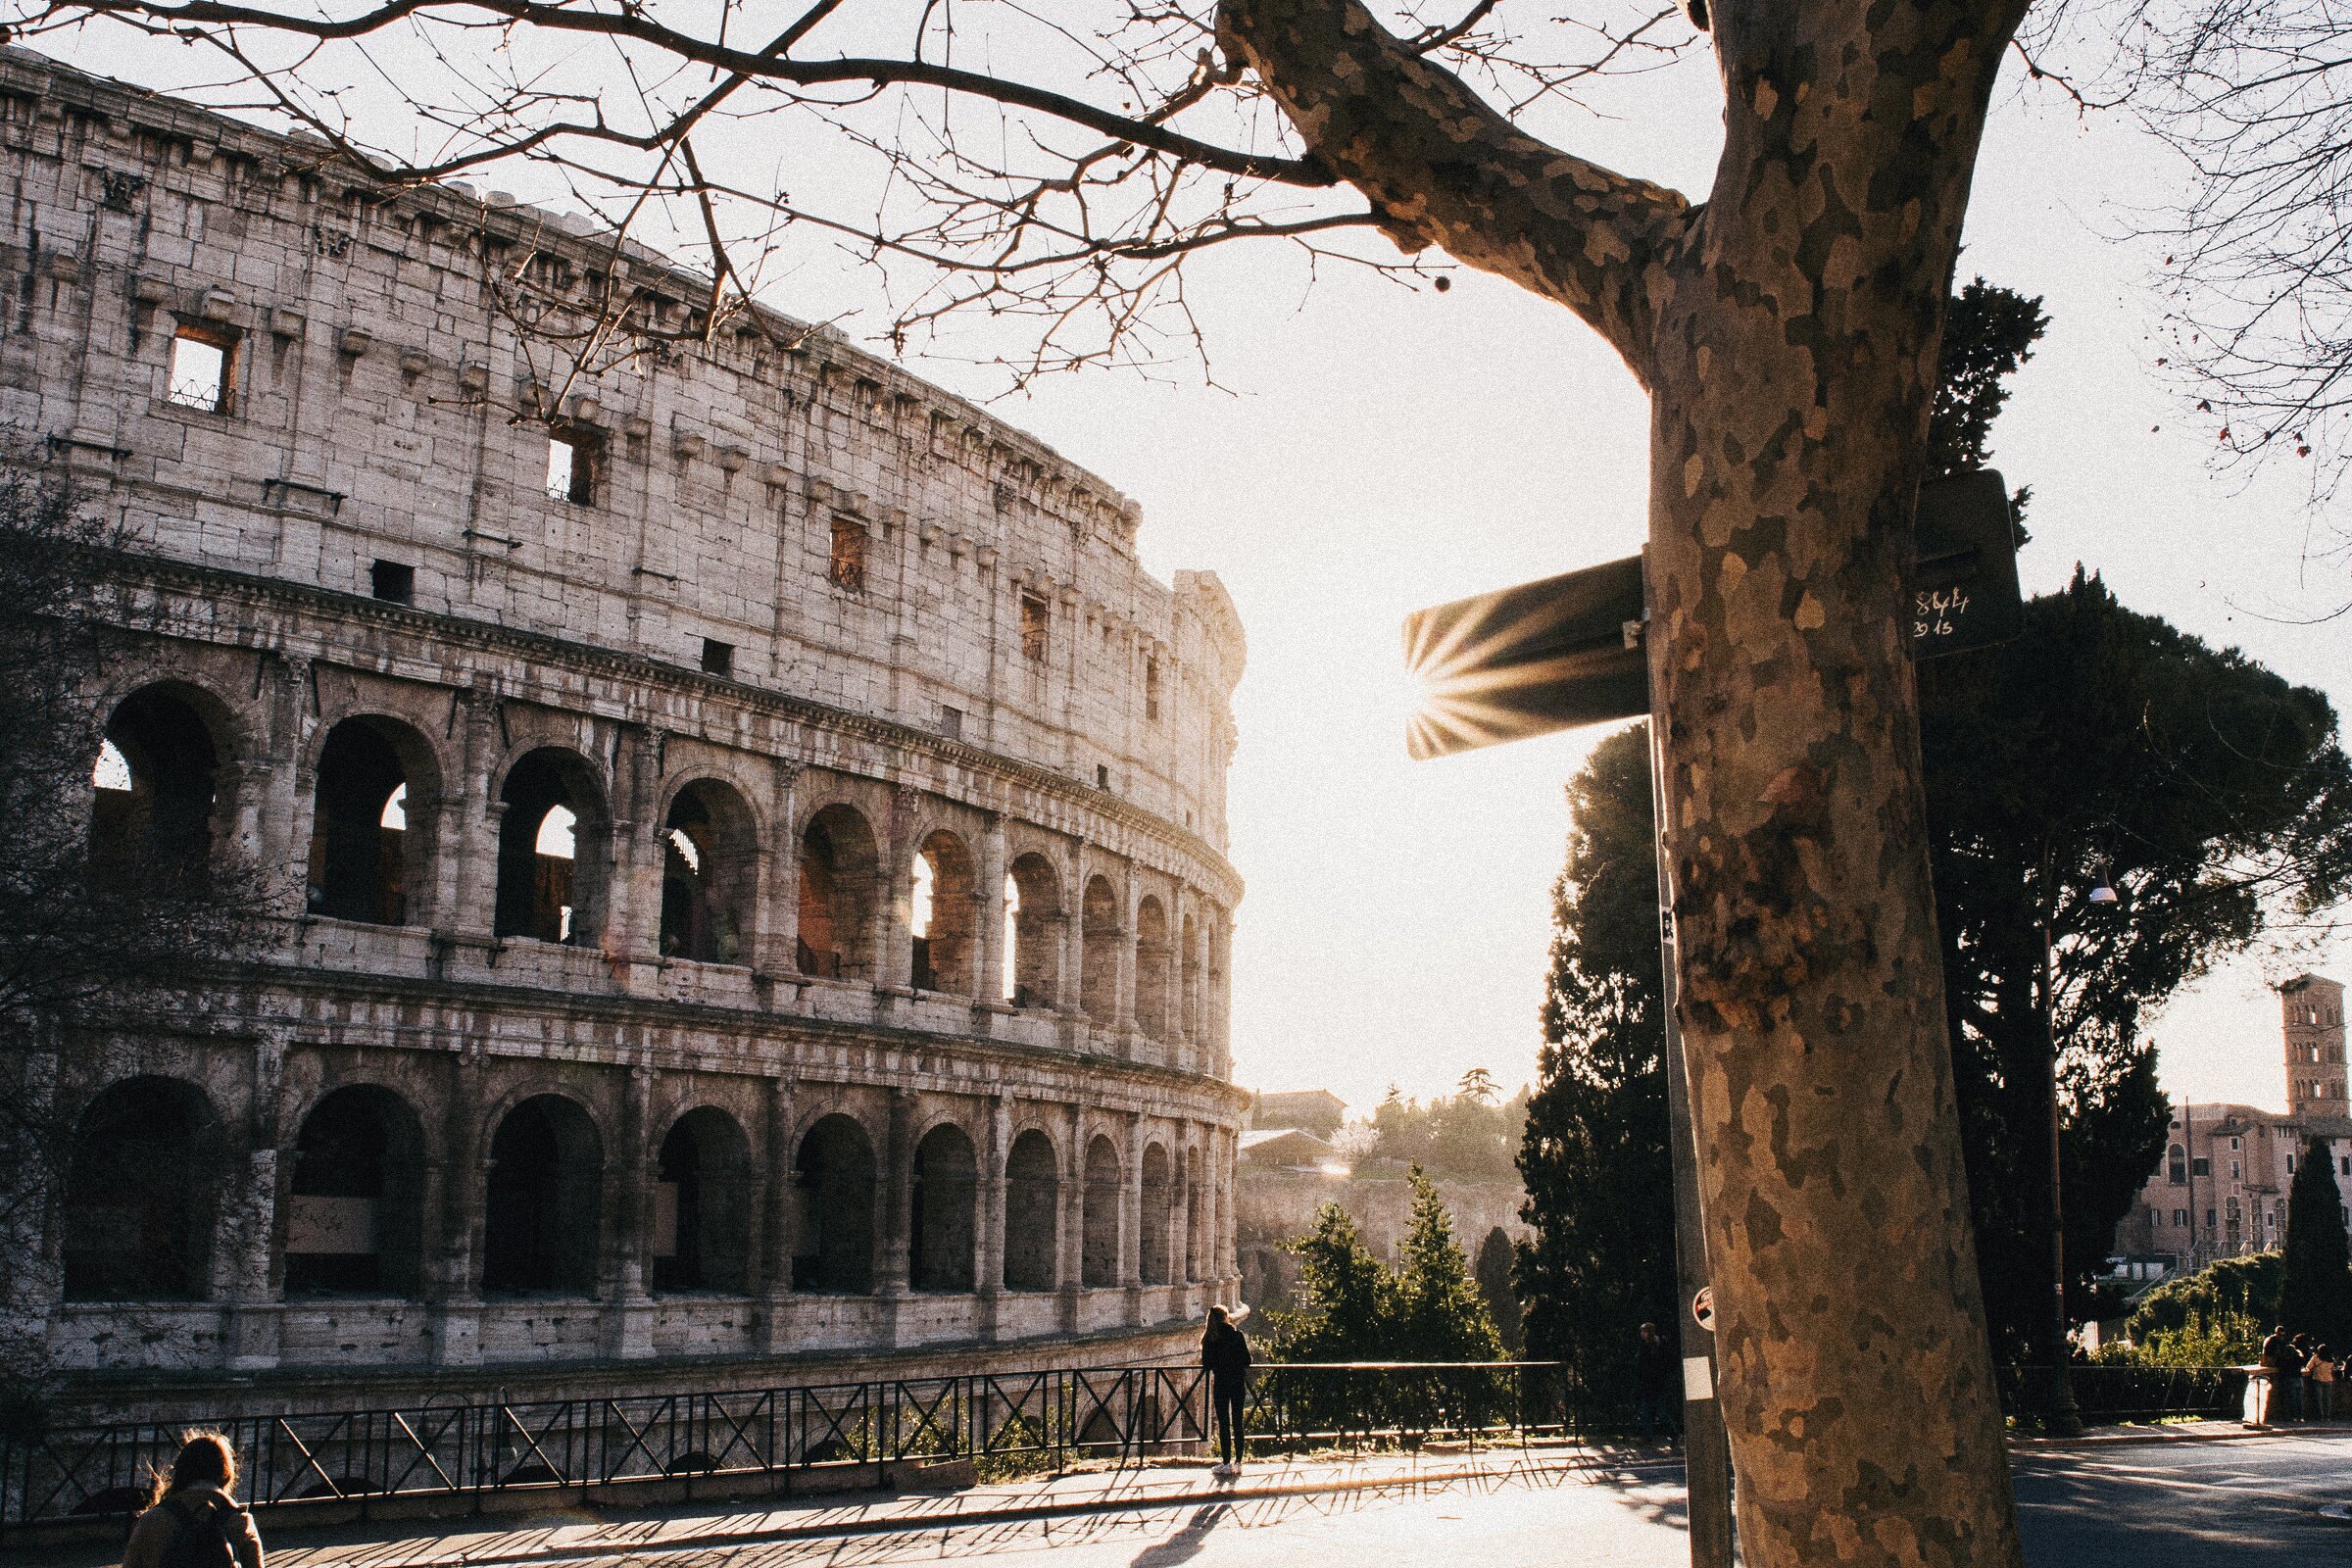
pixel 1706 1450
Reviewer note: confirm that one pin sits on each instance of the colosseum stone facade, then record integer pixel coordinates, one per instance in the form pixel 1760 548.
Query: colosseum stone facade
pixel 750 831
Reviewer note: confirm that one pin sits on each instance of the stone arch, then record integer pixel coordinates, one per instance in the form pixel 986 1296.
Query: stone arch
pixel 1098 1238
pixel 943 1220
pixel 543 1206
pixel 1152 968
pixel 709 874
pixel 701 1223
pixel 142 1193
pixel 841 871
pixel 354 1219
pixel 1032 1213
pixel 554 849
pixel 944 926
pixel 1157 1195
pixel 2175 1164
pixel 158 807
pixel 833 1184
pixel 373 823
pixel 1098 947
pixel 1033 931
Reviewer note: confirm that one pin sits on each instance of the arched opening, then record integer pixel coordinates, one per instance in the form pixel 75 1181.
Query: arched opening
pixel 154 787
pixel 1156 1200
pixel 1098 1237
pixel 1152 968
pixel 1099 953
pixel 944 917
pixel 141 1195
pixel 1195 1214
pixel 370 829
pixel 702 1219
pixel 553 840
pixel 1189 993
pixel 353 1220
pixel 544 1205
pixel 1033 933
pixel 708 871
pixel 943 1223
pixel 1032 1215
pixel 839 866
pixel 833 1247
pixel 2175 1166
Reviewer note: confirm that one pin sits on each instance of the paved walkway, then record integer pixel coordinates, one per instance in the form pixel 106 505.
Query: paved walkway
pixel 1611 1492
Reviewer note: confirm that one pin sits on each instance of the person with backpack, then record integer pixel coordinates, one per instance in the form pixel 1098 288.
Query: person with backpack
pixel 193 1520
pixel 1225 1357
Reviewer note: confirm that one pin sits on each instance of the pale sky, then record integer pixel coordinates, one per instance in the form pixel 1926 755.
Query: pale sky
pixel 1379 448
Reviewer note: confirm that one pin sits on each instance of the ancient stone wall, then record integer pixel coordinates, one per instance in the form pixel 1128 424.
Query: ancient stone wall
pixel 697 870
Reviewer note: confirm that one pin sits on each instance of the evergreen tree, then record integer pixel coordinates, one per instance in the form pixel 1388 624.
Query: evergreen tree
pixel 1493 1271
pixel 2317 1296
pixel 1441 1316
pixel 1346 1298
pixel 1593 1156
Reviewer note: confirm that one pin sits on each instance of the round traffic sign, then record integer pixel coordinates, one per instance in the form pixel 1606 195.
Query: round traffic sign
pixel 1702 1308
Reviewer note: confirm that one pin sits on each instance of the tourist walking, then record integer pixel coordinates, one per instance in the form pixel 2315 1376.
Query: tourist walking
pixel 1225 1357
pixel 1657 1369
pixel 193 1520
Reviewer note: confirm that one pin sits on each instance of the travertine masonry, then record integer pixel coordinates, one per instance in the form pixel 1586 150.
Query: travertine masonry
pixel 764 901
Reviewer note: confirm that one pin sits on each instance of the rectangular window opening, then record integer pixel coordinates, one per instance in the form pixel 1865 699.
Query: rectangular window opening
pixel 1035 622
pixel 719 659
pixel 951 722
pixel 1152 689
pixel 1101 775
pixel 847 568
pixel 202 363
pixel 393 582
pixel 572 458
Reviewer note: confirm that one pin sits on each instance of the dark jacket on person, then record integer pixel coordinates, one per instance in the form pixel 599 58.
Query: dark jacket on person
pixel 2279 1351
pixel 1224 1353
pixel 1657 1366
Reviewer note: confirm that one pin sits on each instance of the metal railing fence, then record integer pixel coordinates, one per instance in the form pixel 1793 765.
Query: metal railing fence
pixel 1007 1421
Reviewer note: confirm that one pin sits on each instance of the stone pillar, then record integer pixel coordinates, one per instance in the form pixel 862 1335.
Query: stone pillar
pixel 782 1214
pixel 1073 1215
pixel 894 954
pixel 1131 1218
pixel 1124 1010
pixel 629 1189
pixel 1212 1208
pixel 633 911
pixel 464 840
pixel 987 1259
pixel 989 992
pixel 897 1171
pixel 778 952
pixel 1072 998
pixel 455 1274
pixel 290 802
pixel 246 1232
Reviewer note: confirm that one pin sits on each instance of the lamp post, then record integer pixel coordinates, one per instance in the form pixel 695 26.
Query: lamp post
pixel 2065 1416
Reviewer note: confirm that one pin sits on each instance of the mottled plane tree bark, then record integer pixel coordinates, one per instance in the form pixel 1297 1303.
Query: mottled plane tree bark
pixel 1786 329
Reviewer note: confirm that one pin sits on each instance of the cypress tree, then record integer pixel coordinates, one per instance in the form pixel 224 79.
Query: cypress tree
pixel 2317 1298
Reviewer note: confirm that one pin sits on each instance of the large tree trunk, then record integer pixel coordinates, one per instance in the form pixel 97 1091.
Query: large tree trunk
pixel 1787 331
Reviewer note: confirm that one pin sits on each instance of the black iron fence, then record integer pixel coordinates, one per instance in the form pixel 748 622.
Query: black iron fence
pixel 1005 1421
pixel 2110 1393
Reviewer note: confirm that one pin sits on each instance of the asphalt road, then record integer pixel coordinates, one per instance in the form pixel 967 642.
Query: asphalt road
pixel 2196 1505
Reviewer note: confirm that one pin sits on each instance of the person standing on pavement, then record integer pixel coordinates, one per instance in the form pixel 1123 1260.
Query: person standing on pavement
pixel 1657 1369
pixel 1225 1357
pixel 2319 1370
pixel 2286 1376
pixel 193 1518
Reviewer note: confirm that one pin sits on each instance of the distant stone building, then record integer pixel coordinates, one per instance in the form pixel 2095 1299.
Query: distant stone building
pixel 2221 1189
pixel 1310 1110
pixel 752 832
